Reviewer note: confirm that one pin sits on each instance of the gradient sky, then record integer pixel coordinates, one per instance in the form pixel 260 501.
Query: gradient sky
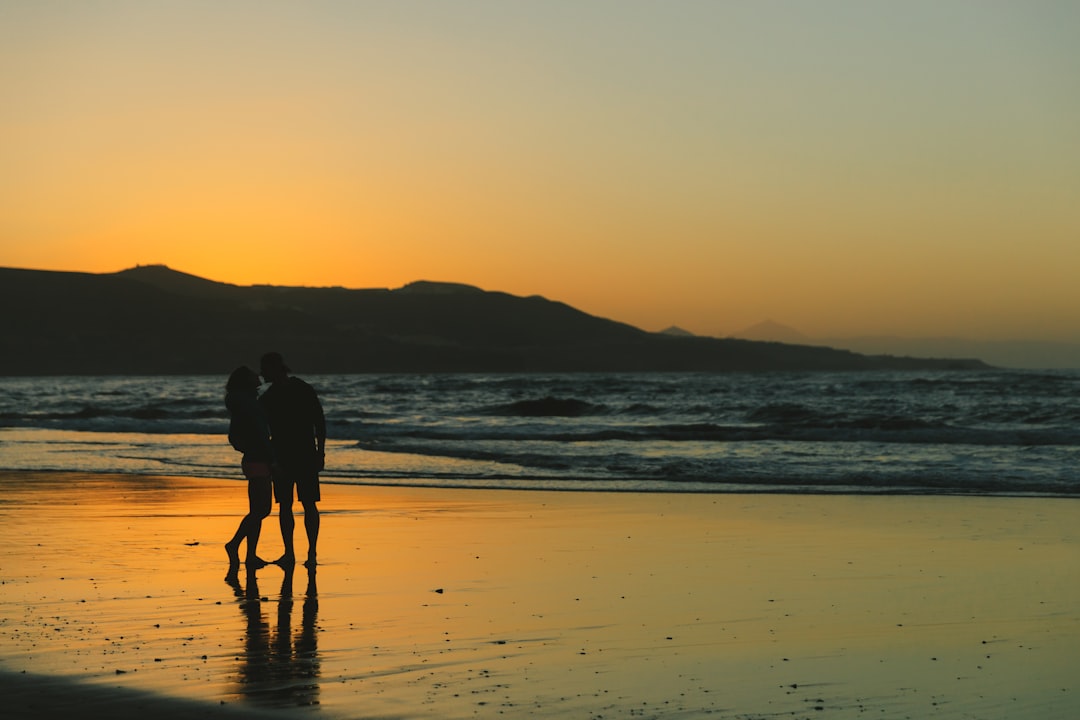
pixel 843 167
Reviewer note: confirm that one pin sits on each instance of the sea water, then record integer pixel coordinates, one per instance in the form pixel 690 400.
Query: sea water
pixel 945 432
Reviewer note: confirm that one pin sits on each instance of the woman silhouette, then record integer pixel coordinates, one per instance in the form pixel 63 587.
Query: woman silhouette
pixel 249 433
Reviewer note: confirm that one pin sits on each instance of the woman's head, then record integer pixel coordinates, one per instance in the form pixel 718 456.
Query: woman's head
pixel 242 378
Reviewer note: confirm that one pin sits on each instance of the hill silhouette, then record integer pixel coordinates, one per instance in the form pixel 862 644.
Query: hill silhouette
pixel 154 320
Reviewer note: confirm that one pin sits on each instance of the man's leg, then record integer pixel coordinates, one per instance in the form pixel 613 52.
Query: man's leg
pixel 283 493
pixel 311 525
pixel 288 524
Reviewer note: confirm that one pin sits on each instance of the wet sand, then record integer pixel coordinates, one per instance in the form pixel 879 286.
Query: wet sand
pixel 472 603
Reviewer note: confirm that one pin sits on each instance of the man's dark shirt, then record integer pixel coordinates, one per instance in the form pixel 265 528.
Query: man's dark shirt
pixel 296 419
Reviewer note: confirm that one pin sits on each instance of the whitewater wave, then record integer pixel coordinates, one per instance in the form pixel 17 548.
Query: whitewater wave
pixel 989 432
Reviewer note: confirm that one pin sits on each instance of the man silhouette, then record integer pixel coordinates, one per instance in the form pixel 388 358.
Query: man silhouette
pixel 298 434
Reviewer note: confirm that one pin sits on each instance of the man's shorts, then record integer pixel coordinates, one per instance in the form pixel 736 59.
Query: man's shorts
pixel 303 475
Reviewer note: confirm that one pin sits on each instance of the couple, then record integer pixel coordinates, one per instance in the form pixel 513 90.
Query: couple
pixel 282 434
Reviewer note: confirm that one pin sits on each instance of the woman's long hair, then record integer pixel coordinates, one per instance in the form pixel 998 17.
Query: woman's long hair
pixel 241 379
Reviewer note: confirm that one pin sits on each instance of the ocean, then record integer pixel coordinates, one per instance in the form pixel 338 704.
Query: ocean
pixel 950 432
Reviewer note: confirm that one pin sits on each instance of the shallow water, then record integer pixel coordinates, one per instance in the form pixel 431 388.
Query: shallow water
pixel 992 432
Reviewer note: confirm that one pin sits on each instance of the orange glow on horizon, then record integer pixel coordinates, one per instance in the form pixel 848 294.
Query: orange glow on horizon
pixel 837 171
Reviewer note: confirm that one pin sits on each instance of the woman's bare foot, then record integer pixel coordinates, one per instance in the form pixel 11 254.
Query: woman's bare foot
pixel 311 562
pixel 286 560
pixel 254 563
pixel 233 552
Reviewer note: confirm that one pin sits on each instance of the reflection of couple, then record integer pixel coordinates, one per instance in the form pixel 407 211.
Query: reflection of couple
pixel 282 434
pixel 279 669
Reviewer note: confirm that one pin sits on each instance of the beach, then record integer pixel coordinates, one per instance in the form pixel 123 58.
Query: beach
pixel 454 603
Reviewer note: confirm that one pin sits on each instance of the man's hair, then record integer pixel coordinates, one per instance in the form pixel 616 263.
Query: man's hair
pixel 274 360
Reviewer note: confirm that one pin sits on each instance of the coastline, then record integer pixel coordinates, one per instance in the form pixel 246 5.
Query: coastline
pixel 458 602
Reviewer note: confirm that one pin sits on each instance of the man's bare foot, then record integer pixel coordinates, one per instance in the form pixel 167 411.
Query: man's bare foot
pixel 286 560
pixel 254 563
pixel 233 551
pixel 311 562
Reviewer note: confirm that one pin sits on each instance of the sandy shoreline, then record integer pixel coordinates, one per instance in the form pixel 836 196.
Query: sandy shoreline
pixel 465 603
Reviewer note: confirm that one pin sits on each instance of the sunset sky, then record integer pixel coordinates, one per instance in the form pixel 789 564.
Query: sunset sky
pixel 840 166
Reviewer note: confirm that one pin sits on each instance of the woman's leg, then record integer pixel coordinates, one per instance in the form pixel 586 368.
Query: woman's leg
pixel 259 503
pixel 232 548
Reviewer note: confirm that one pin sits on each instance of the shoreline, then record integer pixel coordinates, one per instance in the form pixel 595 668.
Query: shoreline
pixel 441 603
pixel 589 486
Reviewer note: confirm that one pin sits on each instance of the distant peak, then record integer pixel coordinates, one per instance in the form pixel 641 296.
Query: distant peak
pixel 428 287
pixel 143 269
pixel 165 278
pixel 157 271
pixel 677 331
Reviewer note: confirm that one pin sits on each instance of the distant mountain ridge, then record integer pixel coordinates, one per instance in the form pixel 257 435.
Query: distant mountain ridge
pixel 770 331
pixel 154 320
pixel 1025 354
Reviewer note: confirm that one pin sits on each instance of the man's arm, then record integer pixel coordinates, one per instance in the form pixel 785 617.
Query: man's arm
pixel 319 422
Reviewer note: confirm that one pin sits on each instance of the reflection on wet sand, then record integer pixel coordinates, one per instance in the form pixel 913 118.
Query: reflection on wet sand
pixel 278 668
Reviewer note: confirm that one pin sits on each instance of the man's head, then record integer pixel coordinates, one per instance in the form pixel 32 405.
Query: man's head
pixel 273 368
